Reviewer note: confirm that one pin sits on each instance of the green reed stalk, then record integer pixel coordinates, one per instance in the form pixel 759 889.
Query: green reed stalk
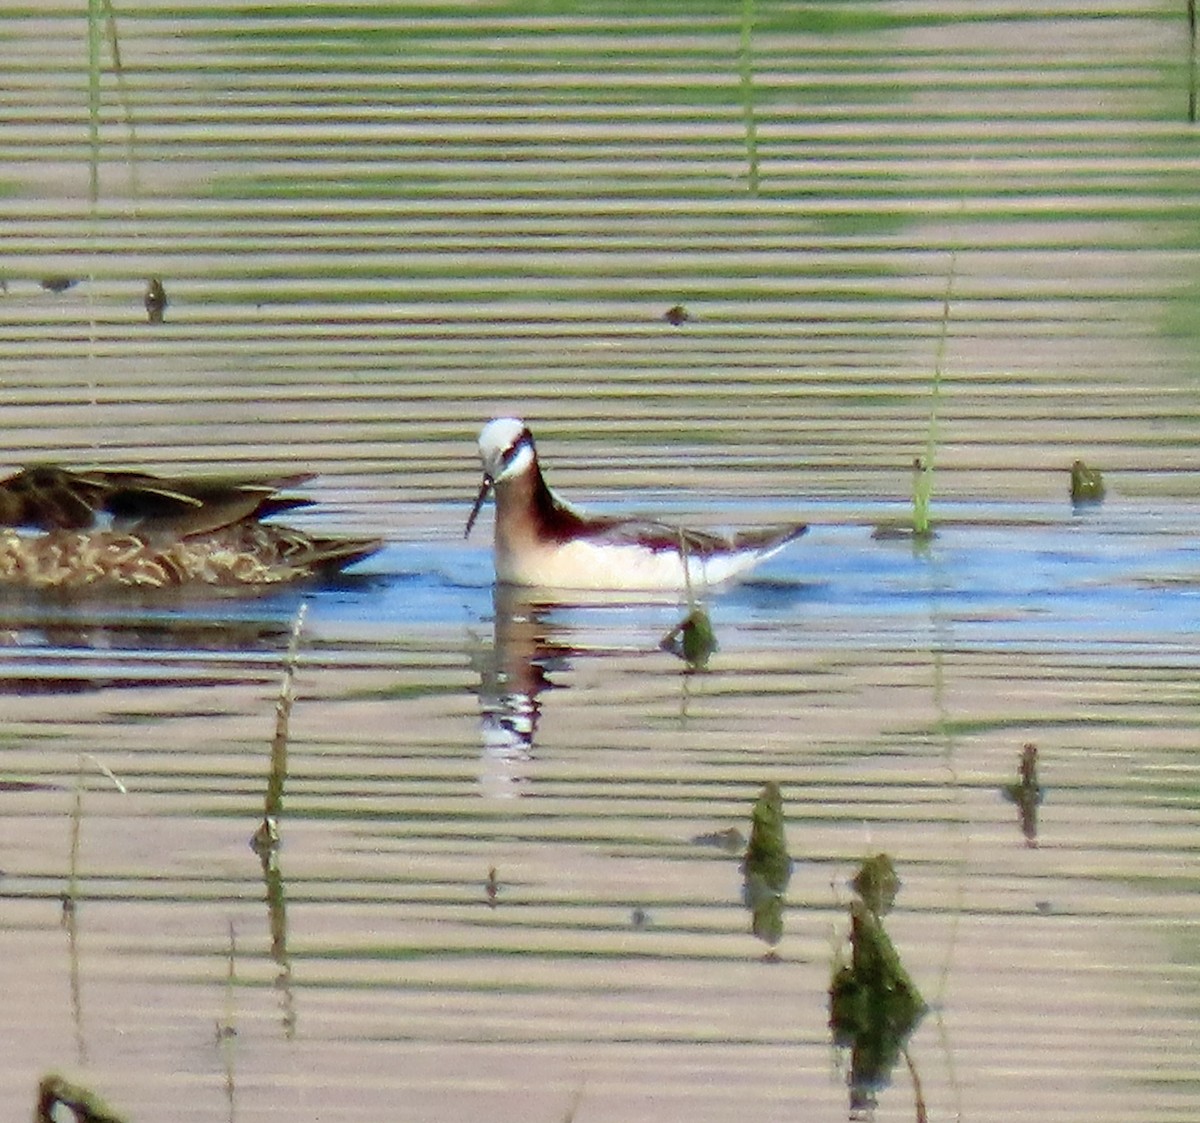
pixel 267 835
pixel 746 68
pixel 923 468
pixel 77 821
pixel 102 25
pixel 95 23
pixel 227 1025
pixel 1191 19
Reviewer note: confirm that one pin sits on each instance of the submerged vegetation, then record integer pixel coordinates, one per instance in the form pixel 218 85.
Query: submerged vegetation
pixel 767 866
pixel 877 884
pixel 874 1005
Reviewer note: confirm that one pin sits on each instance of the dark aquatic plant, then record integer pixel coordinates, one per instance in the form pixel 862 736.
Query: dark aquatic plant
pixel 1026 793
pixel 873 1006
pixel 877 883
pixel 692 639
pixel 767 866
pixel 873 1003
pixel 86 1107
pixel 1087 484
pixel 155 300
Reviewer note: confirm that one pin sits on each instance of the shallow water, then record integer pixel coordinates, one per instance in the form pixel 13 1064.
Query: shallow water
pixel 888 690
pixel 498 894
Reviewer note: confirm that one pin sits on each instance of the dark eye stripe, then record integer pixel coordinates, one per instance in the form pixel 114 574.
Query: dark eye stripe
pixel 523 441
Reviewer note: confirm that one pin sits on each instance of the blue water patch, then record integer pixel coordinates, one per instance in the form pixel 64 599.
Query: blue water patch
pixel 1014 574
pixel 1023 576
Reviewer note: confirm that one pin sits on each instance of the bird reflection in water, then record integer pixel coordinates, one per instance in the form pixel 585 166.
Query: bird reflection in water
pixel 75 650
pixel 513 675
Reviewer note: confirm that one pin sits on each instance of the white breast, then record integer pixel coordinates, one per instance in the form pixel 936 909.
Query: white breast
pixel 597 565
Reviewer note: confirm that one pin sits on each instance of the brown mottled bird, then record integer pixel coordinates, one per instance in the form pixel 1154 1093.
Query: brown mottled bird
pixel 65 529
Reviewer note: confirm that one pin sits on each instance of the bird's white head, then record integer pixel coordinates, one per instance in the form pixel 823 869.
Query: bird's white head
pixel 506 449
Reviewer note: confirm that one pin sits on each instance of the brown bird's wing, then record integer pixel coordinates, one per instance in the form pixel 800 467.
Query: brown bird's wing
pixel 180 508
pixel 48 497
pixel 697 543
pixel 768 537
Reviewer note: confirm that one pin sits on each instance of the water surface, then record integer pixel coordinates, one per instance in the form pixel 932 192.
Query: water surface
pixel 497 894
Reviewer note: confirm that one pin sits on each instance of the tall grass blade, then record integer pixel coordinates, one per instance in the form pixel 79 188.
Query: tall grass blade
pixel 923 468
pixel 95 24
pixel 267 835
pixel 1191 18
pixel 746 67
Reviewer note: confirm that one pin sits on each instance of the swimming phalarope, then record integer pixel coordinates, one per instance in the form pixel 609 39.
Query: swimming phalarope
pixel 542 541
pixel 71 530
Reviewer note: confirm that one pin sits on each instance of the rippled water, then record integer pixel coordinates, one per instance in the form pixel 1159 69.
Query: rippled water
pixel 500 891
